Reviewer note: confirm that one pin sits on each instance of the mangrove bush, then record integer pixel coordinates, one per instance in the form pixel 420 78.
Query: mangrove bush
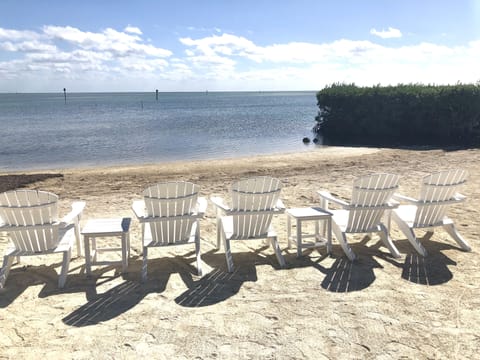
pixel 400 115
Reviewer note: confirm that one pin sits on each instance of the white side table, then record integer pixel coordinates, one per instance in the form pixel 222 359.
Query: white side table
pixel 105 228
pixel 309 214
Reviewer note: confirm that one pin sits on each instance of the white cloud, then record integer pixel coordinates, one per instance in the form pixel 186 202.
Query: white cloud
pixel 387 34
pixel 27 46
pixel 110 40
pixel 125 61
pixel 16 35
pixel 133 30
pixel 215 42
pixel 55 54
pixel 300 65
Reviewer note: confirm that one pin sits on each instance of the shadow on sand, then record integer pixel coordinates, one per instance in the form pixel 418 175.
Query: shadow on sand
pixel 218 285
pixel 344 275
pixel 430 270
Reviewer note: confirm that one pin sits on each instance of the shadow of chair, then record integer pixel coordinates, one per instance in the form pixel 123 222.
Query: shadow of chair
pixel 216 286
pixel 347 276
pixel 430 270
pixel 21 278
pixel 125 295
pixel 343 275
pixel 220 284
pixel 106 306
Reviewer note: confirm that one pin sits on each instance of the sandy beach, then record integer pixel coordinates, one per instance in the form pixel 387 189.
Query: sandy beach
pixel 319 307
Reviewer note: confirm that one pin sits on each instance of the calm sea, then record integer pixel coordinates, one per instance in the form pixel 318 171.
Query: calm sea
pixel 41 131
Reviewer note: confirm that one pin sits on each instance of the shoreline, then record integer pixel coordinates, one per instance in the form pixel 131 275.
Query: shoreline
pixel 329 151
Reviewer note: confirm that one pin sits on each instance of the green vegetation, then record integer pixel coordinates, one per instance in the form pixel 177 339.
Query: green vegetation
pixel 400 115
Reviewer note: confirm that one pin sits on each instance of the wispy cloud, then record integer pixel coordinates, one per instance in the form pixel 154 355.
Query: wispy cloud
pixel 204 29
pixel 387 34
pixel 132 30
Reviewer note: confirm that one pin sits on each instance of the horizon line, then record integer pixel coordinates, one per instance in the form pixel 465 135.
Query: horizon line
pixel 61 91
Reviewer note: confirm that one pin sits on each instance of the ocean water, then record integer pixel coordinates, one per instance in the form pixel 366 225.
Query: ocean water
pixel 42 131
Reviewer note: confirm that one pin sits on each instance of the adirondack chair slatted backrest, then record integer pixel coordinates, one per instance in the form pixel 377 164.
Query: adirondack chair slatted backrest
pixel 171 203
pixel 259 194
pixel 33 217
pixel 436 191
pixel 370 197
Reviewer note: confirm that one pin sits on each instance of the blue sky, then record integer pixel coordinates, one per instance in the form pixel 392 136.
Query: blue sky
pixel 95 45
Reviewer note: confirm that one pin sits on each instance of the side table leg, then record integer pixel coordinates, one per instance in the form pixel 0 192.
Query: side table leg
pixel 128 246
pixel 289 231
pixel 94 249
pixel 124 253
pixel 329 235
pixel 86 246
pixel 299 238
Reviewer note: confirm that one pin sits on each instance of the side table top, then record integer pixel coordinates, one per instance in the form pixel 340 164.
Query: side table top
pixel 106 227
pixel 308 212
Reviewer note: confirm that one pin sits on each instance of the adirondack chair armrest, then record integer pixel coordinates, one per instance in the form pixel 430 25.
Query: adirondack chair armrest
pixel 400 197
pixel 393 204
pixel 220 204
pixel 201 206
pixel 280 206
pixel 138 207
pixel 459 197
pixel 76 212
pixel 325 195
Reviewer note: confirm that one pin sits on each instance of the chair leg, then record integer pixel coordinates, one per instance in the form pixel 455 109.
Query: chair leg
pixel 124 253
pixel 278 252
pixel 387 240
pixel 199 259
pixel 78 237
pixel 219 231
pixel 144 264
pixel 228 253
pixel 408 232
pixel 197 251
pixel 7 264
pixel 65 265
pixel 342 239
pixel 453 232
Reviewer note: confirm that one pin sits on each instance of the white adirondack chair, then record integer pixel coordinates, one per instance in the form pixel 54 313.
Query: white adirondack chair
pixel 169 215
pixel 30 218
pixel 371 198
pixel 254 202
pixel 437 193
